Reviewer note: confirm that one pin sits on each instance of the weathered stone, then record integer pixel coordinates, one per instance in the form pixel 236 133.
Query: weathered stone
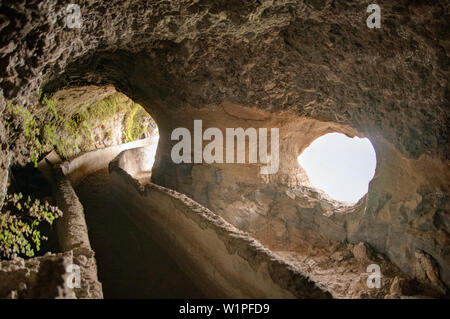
pixel 363 252
pixel 427 271
pixel 39 277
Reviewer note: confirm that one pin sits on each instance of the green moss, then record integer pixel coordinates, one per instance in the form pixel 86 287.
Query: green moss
pixel 51 107
pixel 55 140
pixel 47 128
pixel 135 124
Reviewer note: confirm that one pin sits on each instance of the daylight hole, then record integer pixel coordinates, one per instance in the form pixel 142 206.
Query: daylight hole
pixel 340 166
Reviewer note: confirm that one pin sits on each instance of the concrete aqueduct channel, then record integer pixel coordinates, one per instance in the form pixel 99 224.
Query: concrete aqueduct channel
pixel 151 241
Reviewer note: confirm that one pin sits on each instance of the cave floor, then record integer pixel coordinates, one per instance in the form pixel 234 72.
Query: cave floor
pixel 130 264
pixel 345 276
pixel 340 274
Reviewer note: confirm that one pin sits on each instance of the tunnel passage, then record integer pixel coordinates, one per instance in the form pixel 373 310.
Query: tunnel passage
pixel 130 264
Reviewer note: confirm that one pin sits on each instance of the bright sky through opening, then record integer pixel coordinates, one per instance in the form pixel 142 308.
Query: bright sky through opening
pixel 340 166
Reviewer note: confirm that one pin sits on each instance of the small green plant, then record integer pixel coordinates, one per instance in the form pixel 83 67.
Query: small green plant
pixel 54 139
pixel 19 225
pixel 51 106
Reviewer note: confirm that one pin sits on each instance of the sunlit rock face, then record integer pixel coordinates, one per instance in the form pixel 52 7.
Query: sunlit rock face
pixel 309 68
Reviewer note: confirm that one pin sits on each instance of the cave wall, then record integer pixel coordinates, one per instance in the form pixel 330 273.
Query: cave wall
pixel 405 210
pixel 314 63
pixel 318 59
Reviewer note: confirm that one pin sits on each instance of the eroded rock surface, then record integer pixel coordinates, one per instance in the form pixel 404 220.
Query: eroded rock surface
pixel 318 60
pixel 40 277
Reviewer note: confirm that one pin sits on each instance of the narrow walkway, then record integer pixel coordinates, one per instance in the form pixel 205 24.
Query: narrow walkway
pixel 130 264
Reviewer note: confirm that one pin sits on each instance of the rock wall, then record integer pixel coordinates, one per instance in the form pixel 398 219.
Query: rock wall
pixel 318 59
pixel 42 277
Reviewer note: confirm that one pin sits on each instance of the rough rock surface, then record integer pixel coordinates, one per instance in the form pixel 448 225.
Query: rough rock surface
pixel 313 66
pixel 428 272
pixel 40 277
pixel 317 59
